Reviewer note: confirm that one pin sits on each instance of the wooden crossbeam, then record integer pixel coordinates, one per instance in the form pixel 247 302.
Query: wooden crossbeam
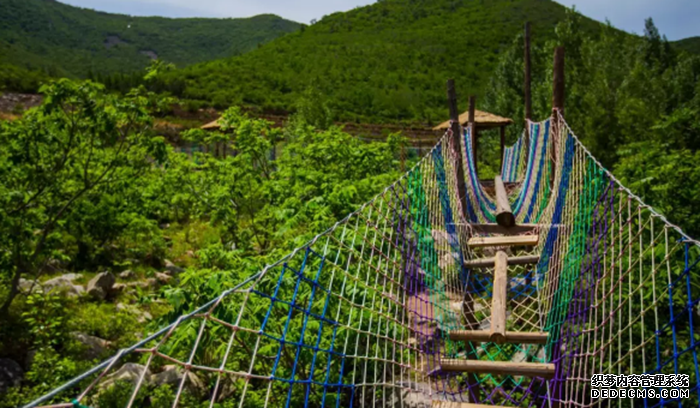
pixel 504 215
pixel 514 260
pixel 544 370
pixel 497 229
pixel 499 298
pixel 511 336
pixel 514 240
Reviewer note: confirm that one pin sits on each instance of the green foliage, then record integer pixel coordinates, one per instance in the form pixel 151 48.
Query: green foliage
pixel 691 44
pixel 635 102
pixel 65 170
pixel 44 319
pixel 87 186
pixel 385 62
pixel 61 40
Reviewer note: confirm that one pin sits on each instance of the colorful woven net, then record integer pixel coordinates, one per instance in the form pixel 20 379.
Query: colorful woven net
pixel 514 161
pixel 360 315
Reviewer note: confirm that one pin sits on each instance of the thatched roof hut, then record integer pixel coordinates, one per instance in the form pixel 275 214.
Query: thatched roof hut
pixel 212 125
pixel 483 120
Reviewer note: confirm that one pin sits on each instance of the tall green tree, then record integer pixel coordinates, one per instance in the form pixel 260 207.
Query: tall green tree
pixel 80 142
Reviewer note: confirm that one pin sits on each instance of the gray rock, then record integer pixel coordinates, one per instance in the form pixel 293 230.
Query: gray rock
pixel 142 316
pixel 148 283
pixel 410 395
pixel 11 374
pixel 130 372
pixel 171 268
pixel 118 288
pixel 162 277
pixel 29 286
pixel 64 284
pixel 127 274
pixel 101 285
pixel 95 347
pixel 29 358
pixel 172 375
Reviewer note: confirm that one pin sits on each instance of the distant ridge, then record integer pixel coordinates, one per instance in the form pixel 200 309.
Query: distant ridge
pixel 71 41
pixel 691 44
pixel 385 62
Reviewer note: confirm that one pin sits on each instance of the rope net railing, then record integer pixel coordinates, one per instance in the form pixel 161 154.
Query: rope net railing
pixel 514 161
pixel 360 316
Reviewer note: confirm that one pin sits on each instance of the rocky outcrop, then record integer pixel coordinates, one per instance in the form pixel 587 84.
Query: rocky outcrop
pixel 11 374
pixel 130 372
pixel 163 278
pixel 94 347
pixel 171 268
pixel 64 285
pixel 173 374
pixel 410 395
pixel 142 316
pixel 101 285
pixel 127 275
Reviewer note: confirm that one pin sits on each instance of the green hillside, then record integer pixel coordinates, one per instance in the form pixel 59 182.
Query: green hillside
pixel 68 41
pixel 691 44
pixel 383 62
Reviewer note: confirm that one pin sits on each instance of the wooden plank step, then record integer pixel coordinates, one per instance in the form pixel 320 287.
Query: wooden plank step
pixel 511 336
pixel 490 262
pixel 499 298
pixel 513 240
pixel 544 370
pixel 497 229
pixel 452 404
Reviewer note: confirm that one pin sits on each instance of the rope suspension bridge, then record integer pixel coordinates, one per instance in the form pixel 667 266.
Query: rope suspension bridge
pixel 442 293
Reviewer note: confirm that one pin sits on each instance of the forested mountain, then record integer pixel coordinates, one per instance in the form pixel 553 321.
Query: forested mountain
pixel 68 41
pixel 691 44
pixel 383 62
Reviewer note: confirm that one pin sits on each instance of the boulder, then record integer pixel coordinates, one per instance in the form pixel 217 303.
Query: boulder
pixel 130 372
pixel 101 285
pixel 127 274
pixel 148 283
pixel 64 284
pixel 172 375
pixel 118 288
pixel 171 268
pixel 410 395
pixel 11 374
pixel 162 278
pixel 142 316
pixel 27 285
pixel 94 347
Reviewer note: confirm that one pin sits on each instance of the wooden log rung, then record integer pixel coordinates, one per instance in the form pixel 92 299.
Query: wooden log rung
pixel 489 262
pixel 499 298
pixel 513 240
pixel 504 215
pixel 511 336
pixel 544 370
pixel 497 229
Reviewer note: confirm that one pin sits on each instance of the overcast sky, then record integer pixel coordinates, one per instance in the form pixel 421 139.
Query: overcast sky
pixel 675 18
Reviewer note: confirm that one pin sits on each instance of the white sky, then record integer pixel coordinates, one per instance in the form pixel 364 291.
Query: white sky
pixel 675 18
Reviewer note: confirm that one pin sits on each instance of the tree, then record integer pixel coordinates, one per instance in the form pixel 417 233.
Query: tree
pixel 80 141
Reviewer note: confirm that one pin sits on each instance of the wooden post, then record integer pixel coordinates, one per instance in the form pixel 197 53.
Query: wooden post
pixel 528 84
pixel 504 215
pixel 499 298
pixel 475 135
pixel 557 103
